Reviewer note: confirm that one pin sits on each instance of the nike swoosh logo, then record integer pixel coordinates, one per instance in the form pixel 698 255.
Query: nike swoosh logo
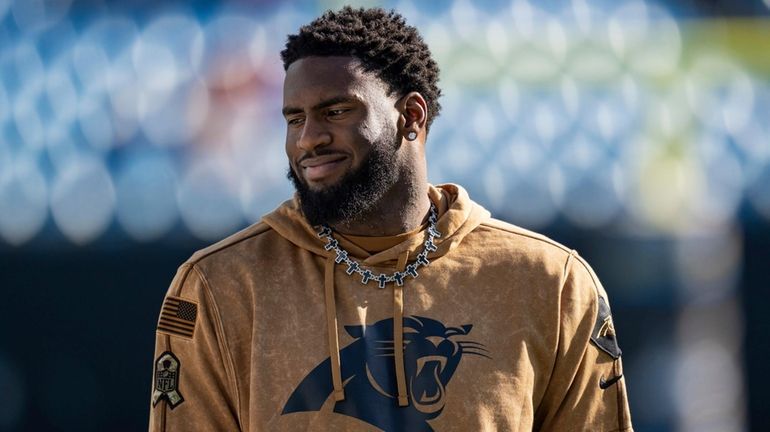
pixel 604 385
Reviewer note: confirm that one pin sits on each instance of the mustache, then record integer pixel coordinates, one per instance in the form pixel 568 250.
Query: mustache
pixel 316 153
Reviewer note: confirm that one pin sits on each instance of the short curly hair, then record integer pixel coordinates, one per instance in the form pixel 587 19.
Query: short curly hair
pixel 381 40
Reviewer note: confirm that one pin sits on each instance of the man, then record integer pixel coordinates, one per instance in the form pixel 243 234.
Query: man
pixel 373 300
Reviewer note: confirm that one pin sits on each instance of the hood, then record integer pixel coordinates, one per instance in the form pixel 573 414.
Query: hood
pixel 457 216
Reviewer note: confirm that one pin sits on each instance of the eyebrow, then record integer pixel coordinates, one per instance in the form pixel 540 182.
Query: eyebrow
pixel 320 105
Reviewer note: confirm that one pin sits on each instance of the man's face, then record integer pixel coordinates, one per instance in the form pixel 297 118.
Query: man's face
pixel 341 138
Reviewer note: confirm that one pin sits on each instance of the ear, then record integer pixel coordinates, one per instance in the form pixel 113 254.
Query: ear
pixel 414 116
pixel 355 331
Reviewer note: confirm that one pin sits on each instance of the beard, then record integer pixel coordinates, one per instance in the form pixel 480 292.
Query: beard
pixel 353 195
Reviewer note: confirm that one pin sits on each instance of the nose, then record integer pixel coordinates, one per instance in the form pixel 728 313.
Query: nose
pixel 313 135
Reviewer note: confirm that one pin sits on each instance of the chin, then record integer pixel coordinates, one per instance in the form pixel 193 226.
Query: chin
pixel 323 185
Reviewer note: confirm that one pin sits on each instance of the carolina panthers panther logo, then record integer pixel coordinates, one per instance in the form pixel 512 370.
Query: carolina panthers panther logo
pixel 432 353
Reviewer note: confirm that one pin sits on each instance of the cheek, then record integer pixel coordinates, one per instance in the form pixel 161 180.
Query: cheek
pixel 290 145
pixel 367 133
pixel 377 129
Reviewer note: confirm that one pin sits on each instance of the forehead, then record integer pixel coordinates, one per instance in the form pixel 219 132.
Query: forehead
pixel 312 79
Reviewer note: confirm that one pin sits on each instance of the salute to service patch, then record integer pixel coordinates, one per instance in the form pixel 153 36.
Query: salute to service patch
pixel 177 318
pixel 167 380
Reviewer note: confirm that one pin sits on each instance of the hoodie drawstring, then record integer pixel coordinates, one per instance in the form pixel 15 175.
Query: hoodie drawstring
pixel 398 333
pixel 331 328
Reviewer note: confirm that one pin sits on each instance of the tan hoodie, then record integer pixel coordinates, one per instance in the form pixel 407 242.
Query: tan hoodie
pixel 503 330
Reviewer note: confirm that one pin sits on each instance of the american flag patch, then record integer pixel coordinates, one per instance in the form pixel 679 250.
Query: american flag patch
pixel 177 317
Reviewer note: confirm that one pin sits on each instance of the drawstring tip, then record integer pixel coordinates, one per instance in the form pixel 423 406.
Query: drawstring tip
pixel 403 401
pixel 339 395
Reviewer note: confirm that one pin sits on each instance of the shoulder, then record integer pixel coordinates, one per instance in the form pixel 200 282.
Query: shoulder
pixel 514 253
pixel 243 245
pixel 543 259
pixel 221 274
pixel 537 244
pixel 232 255
pixel 535 254
pixel 500 237
pixel 230 243
pixel 515 232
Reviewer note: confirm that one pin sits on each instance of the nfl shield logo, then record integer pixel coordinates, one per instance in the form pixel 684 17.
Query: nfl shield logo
pixel 165 380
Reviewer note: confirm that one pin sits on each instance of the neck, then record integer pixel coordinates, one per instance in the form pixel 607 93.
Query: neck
pixel 401 209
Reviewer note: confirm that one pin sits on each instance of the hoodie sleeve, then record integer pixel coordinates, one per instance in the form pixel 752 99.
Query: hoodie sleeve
pixel 586 390
pixel 193 388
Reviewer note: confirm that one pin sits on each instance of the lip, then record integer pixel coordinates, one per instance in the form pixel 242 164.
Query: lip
pixel 318 167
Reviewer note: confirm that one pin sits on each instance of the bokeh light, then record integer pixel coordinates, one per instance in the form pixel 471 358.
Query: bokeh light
pixel 146 201
pixel 208 197
pixel 84 183
pixel 23 199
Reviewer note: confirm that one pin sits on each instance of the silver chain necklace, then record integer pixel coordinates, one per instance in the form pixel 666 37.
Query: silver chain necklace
pixel 367 275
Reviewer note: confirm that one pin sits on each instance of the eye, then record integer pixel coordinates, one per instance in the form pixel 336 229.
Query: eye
pixel 337 112
pixel 295 121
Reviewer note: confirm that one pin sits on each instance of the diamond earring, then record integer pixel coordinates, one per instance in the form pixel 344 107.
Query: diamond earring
pixel 411 136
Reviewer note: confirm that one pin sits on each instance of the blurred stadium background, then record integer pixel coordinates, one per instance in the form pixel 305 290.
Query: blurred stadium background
pixel 638 132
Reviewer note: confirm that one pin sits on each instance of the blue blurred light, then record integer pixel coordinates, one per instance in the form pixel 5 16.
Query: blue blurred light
pixel 509 99
pixel 208 198
pixel 91 65
pixel 127 96
pixel 95 121
pixel 646 38
pixel 60 147
pixel 260 159
pixel 494 183
pixel 146 195
pixel 589 53
pixel 4 104
pixel 593 201
pixel 23 199
pixel 611 112
pixel 551 112
pixel 718 196
pixel 181 34
pixel 27 121
pixel 486 125
pixel 530 200
pixel 33 16
pixel 4 6
pixel 232 45
pixel 156 69
pixel 83 199
pixel 721 94
pixel 114 34
pixel 61 94
pixel 179 118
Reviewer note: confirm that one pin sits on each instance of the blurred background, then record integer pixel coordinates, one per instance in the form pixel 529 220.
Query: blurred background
pixel 638 132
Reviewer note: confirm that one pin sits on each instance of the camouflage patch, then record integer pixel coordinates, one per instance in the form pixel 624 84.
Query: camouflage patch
pixel 167 368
